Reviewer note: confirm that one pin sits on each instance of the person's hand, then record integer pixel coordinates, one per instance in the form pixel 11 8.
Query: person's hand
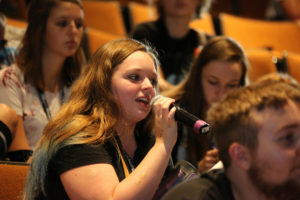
pixel 164 123
pixel 209 160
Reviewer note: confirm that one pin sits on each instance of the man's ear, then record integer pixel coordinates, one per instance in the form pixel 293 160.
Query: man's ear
pixel 240 156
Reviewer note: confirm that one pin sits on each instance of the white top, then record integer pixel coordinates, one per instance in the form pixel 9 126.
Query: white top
pixel 24 99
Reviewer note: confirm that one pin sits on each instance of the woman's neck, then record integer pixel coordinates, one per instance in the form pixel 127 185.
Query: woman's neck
pixel 126 134
pixel 177 27
pixel 52 68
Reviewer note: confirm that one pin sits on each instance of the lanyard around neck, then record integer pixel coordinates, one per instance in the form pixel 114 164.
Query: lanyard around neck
pixel 123 156
pixel 44 102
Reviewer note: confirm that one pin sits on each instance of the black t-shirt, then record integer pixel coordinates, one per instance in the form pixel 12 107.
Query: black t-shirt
pixel 213 185
pixel 77 155
pixel 175 55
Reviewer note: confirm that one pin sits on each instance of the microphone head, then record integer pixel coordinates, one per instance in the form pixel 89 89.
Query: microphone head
pixel 201 127
pixel 154 99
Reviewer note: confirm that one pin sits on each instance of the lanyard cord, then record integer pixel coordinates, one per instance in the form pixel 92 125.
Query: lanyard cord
pixel 124 156
pixel 44 102
pixel 125 168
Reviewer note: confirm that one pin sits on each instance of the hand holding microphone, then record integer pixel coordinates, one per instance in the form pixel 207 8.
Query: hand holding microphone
pixel 186 118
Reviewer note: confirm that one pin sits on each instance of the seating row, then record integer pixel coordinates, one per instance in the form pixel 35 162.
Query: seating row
pixel 263 40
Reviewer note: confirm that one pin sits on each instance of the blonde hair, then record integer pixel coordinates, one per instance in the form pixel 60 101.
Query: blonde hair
pixel 91 112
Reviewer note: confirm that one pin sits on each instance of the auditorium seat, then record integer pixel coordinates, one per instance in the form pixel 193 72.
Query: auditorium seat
pixel 261 62
pixel 140 12
pixel 96 38
pixel 12 180
pixel 16 22
pixel 205 24
pixel 105 16
pixel 293 64
pixel 254 33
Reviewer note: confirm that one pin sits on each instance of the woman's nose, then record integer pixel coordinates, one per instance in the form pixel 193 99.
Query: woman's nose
pixel 147 83
pixel 221 91
pixel 73 29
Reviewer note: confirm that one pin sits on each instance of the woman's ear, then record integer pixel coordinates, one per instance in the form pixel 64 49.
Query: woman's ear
pixel 240 156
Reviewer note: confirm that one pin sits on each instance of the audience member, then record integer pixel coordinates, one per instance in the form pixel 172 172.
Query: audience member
pixel 100 145
pixel 7 54
pixel 8 123
pixel 174 40
pixel 257 132
pixel 220 67
pixel 50 59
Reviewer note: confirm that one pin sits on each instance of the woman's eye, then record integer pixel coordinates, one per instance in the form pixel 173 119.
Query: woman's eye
pixel 154 82
pixel 289 139
pixel 78 24
pixel 133 77
pixel 233 85
pixel 212 82
pixel 62 23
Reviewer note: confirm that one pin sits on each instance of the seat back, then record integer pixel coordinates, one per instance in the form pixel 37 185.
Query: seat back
pixel 12 180
pixel 141 13
pixel 97 38
pixel 16 22
pixel 261 63
pixel 205 24
pixel 253 33
pixel 293 64
pixel 104 15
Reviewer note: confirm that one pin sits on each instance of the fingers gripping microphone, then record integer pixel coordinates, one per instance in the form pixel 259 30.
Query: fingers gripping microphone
pixel 188 119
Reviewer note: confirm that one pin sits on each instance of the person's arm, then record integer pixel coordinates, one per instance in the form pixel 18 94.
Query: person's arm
pixel 18 147
pixel 20 141
pixel 8 123
pixel 99 181
pixel 9 117
pixel 11 90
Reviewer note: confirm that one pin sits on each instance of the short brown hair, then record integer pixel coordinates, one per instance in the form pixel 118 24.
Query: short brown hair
pixel 232 121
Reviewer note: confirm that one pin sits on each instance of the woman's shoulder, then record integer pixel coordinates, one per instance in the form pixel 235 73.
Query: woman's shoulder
pixel 77 155
pixel 85 149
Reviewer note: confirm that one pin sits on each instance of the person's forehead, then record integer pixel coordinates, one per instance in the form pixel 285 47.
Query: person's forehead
pixel 270 120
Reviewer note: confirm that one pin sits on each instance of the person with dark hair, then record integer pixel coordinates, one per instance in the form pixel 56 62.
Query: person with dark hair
pixel 107 141
pixel 174 40
pixel 8 123
pixel 257 132
pixel 220 67
pixel 49 61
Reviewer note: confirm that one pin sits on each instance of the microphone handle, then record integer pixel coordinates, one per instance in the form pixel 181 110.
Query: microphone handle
pixel 185 117
pixel 188 119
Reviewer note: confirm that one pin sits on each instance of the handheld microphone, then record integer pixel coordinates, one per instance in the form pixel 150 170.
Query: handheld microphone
pixel 199 126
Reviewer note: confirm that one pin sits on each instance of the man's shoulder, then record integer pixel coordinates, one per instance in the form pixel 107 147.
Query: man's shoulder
pixel 211 180
pixel 211 185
